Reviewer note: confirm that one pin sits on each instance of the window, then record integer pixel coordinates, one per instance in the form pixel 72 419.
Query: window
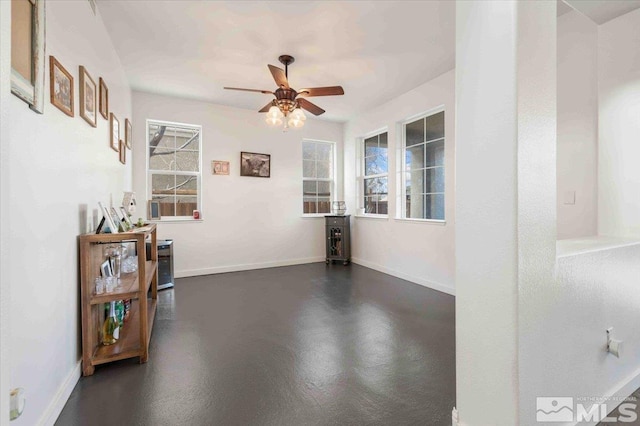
pixel 174 167
pixel 423 168
pixel 375 175
pixel 317 176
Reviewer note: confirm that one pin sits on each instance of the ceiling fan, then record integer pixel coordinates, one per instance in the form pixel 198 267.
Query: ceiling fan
pixel 288 103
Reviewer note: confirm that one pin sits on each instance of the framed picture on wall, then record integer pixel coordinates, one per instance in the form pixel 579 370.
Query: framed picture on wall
pixel 128 133
pixel 220 167
pixel 114 124
pixel 104 99
pixel 88 98
pixel 123 152
pixel 255 165
pixel 27 52
pixel 61 86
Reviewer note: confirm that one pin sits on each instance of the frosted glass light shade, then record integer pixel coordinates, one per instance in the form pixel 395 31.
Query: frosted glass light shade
pixel 296 119
pixel 274 116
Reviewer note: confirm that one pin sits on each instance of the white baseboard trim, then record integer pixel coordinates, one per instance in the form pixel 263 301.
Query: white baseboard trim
pixel 420 281
pixel 54 409
pixel 621 390
pixel 246 267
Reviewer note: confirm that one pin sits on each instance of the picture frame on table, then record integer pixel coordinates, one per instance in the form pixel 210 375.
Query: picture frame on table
pixel 61 87
pixel 117 220
pixel 108 220
pixel 114 133
pixel 28 60
pixel 126 217
pixel 105 269
pixel 88 98
pixel 104 99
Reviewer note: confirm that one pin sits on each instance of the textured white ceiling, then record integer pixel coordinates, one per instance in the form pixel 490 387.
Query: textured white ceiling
pixel 375 49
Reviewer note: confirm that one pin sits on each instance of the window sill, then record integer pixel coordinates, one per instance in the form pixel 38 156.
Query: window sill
pixel 372 216
pixel 314 215
pixel 427 221
pixel 186 220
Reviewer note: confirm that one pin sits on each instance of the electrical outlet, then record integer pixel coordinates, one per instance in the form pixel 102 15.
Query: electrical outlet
pixel 16 403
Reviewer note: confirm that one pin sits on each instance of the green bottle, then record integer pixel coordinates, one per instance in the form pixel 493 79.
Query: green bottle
pixel 110 328
pixel 120 312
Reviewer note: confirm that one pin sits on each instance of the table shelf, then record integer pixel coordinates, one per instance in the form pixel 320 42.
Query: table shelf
pixel 141 286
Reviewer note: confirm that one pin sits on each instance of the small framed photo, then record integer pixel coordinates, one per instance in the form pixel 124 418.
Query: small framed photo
pixel 122 149
pixel 104 99
pixel 114 133
pixel 126 217
pixel 105 269
pixel 61 86
pixel 88 98
pixel 128 133
pixel 256 165
pixel 220 167
pixel 154 210
pixel 108 220
pixel 117 220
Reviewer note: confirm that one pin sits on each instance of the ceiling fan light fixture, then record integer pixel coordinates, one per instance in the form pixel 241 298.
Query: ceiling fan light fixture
pixel 296 118
pixel 274 116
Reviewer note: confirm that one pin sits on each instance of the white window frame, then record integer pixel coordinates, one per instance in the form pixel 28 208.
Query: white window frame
pixel 401 187
pixel 361 174
pixel 331 180
pixel 173 173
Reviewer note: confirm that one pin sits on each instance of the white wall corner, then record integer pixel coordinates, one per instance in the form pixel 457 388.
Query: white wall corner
pixel 63 393
pixel 245 267
pixel 444 288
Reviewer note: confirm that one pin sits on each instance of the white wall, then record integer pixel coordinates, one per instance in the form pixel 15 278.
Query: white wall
pixel 619 126
pixel 5 306
pixel 506 213
pixel 60 168
pixel 577 125
pixel 247 222
pixel 422 252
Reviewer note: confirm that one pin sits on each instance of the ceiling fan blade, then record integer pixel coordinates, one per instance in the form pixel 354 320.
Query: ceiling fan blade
pixel 321 91
pixel 312 108
pixel 279 76
pixel 266 92
pixel 266 107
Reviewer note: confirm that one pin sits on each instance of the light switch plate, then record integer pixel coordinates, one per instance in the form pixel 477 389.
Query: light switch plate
pixel 570 197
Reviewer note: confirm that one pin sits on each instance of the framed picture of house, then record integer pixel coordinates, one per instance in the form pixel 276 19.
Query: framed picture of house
pixel 255 165
pixel 27 52
pixel 104 99
pixel 88 98
pixel 114 134
pixel 61 86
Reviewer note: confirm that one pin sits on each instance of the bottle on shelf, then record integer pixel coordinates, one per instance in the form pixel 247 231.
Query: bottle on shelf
pixel 111 327
pixel 120 312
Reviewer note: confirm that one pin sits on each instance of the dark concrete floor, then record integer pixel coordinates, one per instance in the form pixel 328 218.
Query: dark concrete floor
pixel 300 345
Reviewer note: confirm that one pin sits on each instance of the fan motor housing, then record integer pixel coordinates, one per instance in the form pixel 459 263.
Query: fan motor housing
pixel 286 99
